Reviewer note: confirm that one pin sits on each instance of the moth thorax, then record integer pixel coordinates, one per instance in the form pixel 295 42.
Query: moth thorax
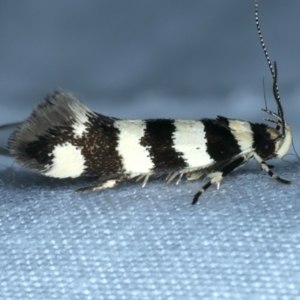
pixel 282 144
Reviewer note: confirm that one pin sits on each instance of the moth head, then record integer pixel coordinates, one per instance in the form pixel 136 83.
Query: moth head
pixel 282 143
pixel 277 140
pixel 281 135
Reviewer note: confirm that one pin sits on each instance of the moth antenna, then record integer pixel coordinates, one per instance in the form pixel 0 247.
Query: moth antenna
pixel 265 97
pixel 277 97
pixel 274 73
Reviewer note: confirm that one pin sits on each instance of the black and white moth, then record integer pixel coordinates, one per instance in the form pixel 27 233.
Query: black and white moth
pixel 63 138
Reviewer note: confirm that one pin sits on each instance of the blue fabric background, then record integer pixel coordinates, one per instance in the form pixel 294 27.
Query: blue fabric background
pixel 149 59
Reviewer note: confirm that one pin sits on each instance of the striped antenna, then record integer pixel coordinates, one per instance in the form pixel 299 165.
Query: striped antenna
pixel 273 70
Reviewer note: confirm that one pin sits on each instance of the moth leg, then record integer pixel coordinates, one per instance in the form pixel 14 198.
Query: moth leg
pixel 171 176
pixel 168 176
pixel 145 177
pixel 267 168
pixel 179 178
pixel 216 177
pixel 108 184
pixel 194 175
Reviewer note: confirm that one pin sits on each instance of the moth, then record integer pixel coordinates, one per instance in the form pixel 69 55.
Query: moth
pixel 63 138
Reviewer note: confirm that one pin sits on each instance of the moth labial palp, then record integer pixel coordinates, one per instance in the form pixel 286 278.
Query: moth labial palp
pixel 63 138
